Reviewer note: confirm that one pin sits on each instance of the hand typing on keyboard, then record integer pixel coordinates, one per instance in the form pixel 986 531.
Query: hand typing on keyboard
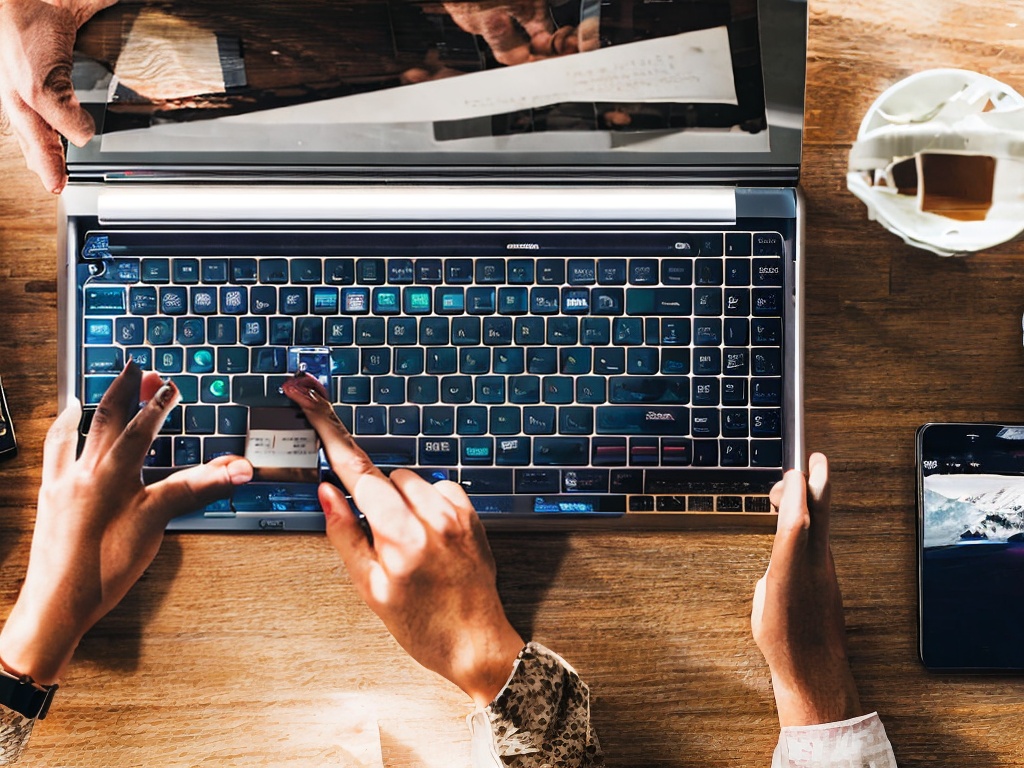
pixel 97 526
pixel 428 572
pixel 797 619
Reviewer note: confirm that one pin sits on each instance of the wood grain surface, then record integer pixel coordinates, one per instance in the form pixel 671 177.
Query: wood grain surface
pixel 255 650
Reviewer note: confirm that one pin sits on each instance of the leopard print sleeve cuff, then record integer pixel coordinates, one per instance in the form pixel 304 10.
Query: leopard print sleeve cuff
pixel 540 719
pixel 14 732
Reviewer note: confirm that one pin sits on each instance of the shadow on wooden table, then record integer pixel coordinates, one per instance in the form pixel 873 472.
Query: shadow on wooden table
pixel 527 567
pixel 9 538
pixel 115 642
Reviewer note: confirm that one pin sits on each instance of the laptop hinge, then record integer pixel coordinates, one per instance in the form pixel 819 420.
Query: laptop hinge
pixel 230 204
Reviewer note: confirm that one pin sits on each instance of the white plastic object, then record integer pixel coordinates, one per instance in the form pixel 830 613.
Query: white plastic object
pixel 939 161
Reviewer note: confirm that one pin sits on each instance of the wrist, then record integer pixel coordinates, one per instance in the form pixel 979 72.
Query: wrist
pixel 492 666
pixel 33 644
pixel 829 701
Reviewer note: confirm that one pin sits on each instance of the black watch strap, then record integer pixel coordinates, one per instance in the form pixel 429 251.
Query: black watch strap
pixel 25 697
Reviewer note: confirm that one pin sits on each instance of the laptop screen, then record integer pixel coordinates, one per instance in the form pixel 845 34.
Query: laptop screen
pixel 401 83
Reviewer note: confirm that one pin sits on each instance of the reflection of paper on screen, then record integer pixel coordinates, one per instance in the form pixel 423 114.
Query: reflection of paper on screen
pixel 168 58
pixel 693 67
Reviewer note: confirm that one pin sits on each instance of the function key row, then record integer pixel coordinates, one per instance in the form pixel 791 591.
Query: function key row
pixel 683 268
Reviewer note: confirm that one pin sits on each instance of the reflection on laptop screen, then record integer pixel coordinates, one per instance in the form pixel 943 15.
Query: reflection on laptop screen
pixel 616 81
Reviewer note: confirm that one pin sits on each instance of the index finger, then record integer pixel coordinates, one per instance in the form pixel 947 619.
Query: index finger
pixel 378 498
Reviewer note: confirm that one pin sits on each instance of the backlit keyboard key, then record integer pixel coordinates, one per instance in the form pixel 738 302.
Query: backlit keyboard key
pixel 323 301
pixel 561 451
pixel 339 271
pixel 439 451
pixel 611 272
pixel 551 271
pixel 128 330
pixel 634 420
pixel 103 360
pixel 582 272
pixel 768 244
pixel 676 452
pixel 766 453
pixel 490 271
pixel 677 271
pixel 214 270
pixel 156 271
pixel 766 302
pixel 173 301
pixel 458 271
pixel 185 271
pixel 306 271
pixel 104 300
pixel 243 270
pixel 400 271
pixel 709 244
pixel 520 271
pixel 273 271
pixel 737 244
pixel 512 451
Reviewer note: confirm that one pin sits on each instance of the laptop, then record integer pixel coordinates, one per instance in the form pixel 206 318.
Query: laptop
pixel 573 284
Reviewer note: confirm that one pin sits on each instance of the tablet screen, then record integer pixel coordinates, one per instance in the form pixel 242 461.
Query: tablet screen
pixel 971 540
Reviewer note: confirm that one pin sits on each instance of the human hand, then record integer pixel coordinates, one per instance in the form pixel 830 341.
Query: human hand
pixel 97 526
pixel 428 573
pixel 518 31
pixel 37 40
pixel 797 618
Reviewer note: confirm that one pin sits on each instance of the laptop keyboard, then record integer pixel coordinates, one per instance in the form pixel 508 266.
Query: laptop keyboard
pixel 509 374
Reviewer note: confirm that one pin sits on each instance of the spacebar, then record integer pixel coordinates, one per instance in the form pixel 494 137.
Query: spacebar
pixel 389 451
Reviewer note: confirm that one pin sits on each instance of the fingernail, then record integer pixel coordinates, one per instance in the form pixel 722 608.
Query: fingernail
pixel 240 472
pixel 165 394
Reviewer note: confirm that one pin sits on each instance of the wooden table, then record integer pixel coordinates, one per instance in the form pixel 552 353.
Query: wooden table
pixel 255 650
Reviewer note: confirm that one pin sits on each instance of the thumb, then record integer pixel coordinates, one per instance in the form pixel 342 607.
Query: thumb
pixel 794 520
pixel 62 110
pixel 195 487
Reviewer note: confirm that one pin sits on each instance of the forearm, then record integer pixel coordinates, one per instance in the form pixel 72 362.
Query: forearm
pixel 856 743
pixel 540 718
pixel 41 634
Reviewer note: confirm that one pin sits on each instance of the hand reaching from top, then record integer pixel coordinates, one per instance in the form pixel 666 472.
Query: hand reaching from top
pixel 37 40
pixel 428 573
pixel 797 618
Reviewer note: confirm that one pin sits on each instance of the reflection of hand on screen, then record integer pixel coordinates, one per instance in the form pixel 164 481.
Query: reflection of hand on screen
pixel 519 31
